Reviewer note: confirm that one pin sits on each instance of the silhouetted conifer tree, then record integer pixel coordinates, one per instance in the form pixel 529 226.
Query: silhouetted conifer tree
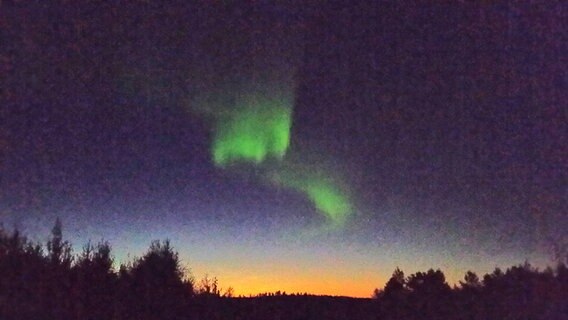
pixel 94 283
pixel 394 297
pixel 58 281
pixel 156 286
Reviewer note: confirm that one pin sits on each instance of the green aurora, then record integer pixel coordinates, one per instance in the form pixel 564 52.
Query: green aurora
pixel 253 132
pixel 326 195
pixel 328 199
pixel 257 129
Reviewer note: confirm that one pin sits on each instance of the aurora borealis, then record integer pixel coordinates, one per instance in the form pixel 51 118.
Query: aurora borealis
pixel 294 147
pixel 261 129
pixel 258 130
pixel 327 196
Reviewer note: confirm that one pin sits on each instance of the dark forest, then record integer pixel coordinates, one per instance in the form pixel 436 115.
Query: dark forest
pixel 51 282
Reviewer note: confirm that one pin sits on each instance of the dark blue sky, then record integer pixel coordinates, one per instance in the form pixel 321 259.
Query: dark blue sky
pixel 446 122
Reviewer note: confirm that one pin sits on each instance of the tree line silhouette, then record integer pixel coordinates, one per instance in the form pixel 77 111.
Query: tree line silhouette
pixel 51 282
pixel 521 292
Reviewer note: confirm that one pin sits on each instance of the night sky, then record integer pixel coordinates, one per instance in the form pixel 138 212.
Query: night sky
pixel 305 148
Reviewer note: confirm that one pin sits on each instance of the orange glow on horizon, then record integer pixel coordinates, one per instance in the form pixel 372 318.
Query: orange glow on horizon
pixel 255 285
pixel 350 282
pixel 251 282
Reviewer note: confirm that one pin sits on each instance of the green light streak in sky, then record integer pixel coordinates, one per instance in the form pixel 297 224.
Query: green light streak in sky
pixel 327 197
pixel 257 129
